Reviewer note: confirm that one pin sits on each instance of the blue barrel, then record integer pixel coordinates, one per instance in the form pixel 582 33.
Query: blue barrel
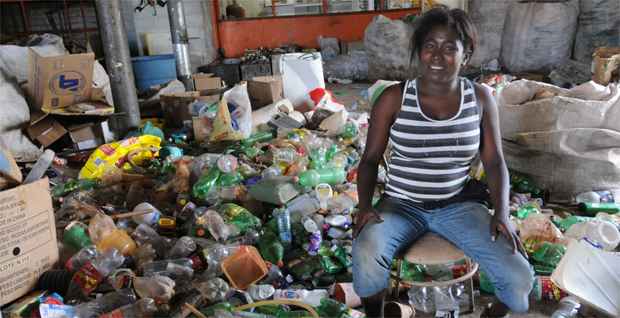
pixel 153 70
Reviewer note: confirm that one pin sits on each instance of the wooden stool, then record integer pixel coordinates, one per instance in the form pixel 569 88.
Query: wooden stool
pixel 431 249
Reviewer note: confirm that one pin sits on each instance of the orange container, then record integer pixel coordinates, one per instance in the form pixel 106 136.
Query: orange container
pixel 120 240
pixel 245 267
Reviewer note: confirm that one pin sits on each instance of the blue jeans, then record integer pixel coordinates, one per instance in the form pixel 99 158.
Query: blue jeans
pixel 465 224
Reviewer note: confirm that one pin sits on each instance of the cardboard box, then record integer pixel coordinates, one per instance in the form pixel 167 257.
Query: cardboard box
pixel 206 81
pixel 176 109
pixel 265 90
pixel 44 128
pixel 28 244
pixel 59 81
pixel 90 136
pixel 606 64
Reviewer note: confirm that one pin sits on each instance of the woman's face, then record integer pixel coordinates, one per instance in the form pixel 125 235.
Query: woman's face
pixel 441 55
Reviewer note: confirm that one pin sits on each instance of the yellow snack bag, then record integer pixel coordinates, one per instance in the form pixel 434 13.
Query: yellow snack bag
pixel 115 155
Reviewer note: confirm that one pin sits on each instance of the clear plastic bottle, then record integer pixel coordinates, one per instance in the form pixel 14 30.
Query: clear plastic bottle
pixel 214 255
pixel 303 205
pixel 216 226
pixel 80 258
pixel 179 269
pixel 106 303
pixel 568 308
pixel 149 218
pixel 227 163
pixel 283 218
pixel 143 308
pixel 310 297
pixel 284 155
pixel 91 274
pixel 158 287
pixel 214 290
pixel 145 234
pixel 105 235
pixel 261 292
pixel 183 247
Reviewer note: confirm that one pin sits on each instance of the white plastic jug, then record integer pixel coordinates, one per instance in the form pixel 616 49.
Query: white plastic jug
pixel 602 232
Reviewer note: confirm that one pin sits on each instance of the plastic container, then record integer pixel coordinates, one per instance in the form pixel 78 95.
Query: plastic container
pixel 601 232
pixel 153 70
pixel 120 240
pixel 591 275
pixel 245 267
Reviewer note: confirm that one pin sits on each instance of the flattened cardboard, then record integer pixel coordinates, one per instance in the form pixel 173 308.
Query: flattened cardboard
pixel 206 81
pixel 28 244
pixel 58 81
pixel 44 128
pixel 265 90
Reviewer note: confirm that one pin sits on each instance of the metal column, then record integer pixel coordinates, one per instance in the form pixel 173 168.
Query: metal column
pixel 180 42
pixel 119 67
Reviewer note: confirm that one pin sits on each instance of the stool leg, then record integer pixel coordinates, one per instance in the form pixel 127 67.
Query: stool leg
pixel 396 290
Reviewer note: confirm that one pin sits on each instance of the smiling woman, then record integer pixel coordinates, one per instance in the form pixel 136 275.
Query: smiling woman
pixel 436 125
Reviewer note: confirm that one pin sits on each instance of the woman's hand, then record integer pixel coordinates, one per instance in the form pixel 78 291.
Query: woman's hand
pixel 364 216
pixel 501 225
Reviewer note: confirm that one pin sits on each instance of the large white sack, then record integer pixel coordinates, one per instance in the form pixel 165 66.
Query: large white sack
pixel 589 105
pixel 488 16
pixel 567 162
pixel 599 25
pixel 538 36
pixel 15 116
pixel 389 47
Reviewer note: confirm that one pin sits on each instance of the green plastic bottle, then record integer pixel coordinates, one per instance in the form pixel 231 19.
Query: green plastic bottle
pixel 350 131
pixel 271 249
pixel 592 208
pixel 257 137
pixel 205 184
pixel 332 308
pixel 313 177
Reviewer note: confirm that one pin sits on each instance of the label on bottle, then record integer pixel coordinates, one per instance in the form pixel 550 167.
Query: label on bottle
pixel 88 278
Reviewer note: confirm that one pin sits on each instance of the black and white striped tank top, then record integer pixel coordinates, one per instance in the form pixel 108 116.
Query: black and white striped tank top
pixel 429 158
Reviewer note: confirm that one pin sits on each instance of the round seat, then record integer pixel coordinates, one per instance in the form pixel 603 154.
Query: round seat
pixel 432 249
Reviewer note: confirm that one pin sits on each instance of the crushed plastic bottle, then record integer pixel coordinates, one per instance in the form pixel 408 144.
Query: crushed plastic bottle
pixel 183 247
pixel 567 308
pixel 143 308
pixel 158 287
pixel 91 274
pixel 104 304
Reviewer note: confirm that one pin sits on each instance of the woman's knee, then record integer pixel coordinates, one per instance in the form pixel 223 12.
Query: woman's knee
pixel 514 286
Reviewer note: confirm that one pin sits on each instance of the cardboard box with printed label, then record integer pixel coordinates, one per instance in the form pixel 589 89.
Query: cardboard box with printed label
pixel 59 81
pixel 28 244
pixel 265 90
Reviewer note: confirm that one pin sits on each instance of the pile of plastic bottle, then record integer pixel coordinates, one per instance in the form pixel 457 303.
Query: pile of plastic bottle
pixel 258 228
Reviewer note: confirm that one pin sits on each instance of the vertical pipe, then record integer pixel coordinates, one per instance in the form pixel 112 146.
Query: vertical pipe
pixel 180 42
pixel 119 66
pixel 25 17
pixel 325 7
pixel 273 8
